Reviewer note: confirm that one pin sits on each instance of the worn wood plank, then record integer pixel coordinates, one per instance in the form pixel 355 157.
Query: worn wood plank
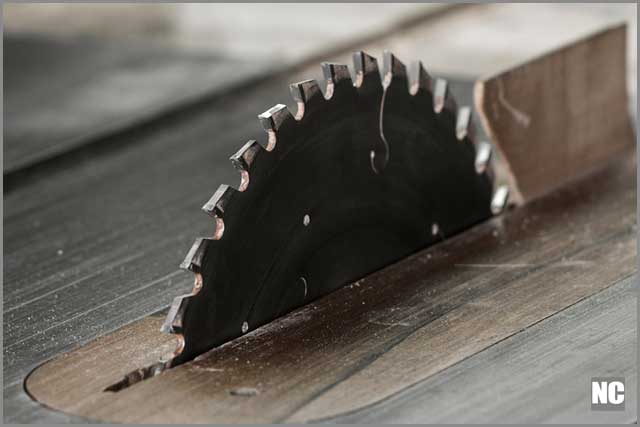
pixel 540 375
pixel 560 107
pixel 367 341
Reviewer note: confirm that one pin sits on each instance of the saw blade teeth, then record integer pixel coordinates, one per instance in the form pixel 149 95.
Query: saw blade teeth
pixel 443 98
pixel 242 161
pixel 218 203
pixel 366 70
pixel 419 78
pixel 440 94
pixel 193 259
pixel 463 123
pixel 307 95
pixel 173 322
pixel 357 108
pixel 392 68
pixel 483 156
pixel 335 75
pixel 272 120
pixel 499 200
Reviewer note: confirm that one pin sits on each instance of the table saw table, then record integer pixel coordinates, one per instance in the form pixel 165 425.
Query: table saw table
pixel 507 321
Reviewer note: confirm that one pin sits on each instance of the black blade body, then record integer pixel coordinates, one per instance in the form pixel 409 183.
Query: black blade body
pixel 319 212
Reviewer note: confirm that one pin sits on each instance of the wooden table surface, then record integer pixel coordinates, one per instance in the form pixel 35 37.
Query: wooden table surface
pixel 514 297
pixel 93 238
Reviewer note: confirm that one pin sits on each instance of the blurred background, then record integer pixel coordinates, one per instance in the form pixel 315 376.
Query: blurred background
pixel 79 70
pixel 294 32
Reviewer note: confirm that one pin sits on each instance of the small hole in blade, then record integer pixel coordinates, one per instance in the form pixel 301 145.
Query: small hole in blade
pixel 306 220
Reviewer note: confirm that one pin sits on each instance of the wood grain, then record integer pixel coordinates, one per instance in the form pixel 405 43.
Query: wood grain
pixel 561 115
pixel 538 376
pixel 390 330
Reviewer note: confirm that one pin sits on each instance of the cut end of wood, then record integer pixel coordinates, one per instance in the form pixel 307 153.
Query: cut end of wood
pixel 559 116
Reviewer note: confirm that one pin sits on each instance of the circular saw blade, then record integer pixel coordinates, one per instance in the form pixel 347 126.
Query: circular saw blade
pixel 360 177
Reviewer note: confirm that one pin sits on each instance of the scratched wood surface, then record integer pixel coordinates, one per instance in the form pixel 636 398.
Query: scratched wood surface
pixel 91 242
pixel 545 364
pixel 382 335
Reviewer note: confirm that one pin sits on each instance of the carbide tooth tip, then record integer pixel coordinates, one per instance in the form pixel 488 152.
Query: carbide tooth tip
pixel 440 95
pixel 242 161
pixel 419 78
pixel 334 74
pixel 217 204
pixel 272 111
pixel 304 91
pixel 272 120
pixel 193 260
pixel 392 67
pixel 364 62
pixel 391 63
pixel 274 116
pixel 366 68
pixel 499 200
pixel 483 155
pixel 307 95
pixel 243 158
pixel 173 322
pixel 463 121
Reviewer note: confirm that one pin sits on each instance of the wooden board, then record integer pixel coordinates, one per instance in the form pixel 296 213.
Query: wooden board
pixel 493 37
pixel 540 375
pixel 385 333
pixel 559 116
